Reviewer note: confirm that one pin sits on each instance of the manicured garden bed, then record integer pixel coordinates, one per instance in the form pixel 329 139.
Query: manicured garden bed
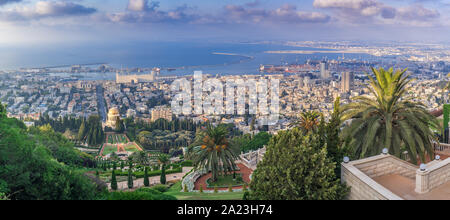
pixel 226 181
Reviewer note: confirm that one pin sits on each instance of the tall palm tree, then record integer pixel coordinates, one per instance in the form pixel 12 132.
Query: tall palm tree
pixel 215 153
pixel 389 119
pixel 308 121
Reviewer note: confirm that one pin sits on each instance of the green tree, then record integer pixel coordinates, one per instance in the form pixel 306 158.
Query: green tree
pixel 215 153
pixel 29 171
pixel 82 131
pixel 146 180
pixel 308 121
pixel 130 179
pixel 296 167
pixel 163 160
pixel 113 180
pixel 389 119
pixel 2 111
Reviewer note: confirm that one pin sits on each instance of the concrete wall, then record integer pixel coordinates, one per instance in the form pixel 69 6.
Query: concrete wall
pixel 436 174
pixel 358 175
pixel 386 165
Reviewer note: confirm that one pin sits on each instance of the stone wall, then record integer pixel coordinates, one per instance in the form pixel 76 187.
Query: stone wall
pixel 386 165
pixel 358 175
pixel 436 174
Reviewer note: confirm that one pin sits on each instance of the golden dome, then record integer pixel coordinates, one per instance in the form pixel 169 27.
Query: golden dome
pixel 113 111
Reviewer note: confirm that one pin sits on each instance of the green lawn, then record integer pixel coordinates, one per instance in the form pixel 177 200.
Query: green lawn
pixel 226 181
pixel 109 149
pixel 175 190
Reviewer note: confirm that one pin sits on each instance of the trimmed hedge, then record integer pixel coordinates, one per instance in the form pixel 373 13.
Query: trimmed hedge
pixel 140 174
pixel 140 194
pixel 187 163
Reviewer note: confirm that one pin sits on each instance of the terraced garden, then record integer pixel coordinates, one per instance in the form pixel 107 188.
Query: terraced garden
pixel 118 143
pixel 116 139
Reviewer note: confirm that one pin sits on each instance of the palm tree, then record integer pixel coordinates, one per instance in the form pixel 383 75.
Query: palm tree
pixel 308 121
pixel 215 153
pixel 388 119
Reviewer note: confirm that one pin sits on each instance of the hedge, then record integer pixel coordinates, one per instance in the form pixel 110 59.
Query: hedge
pixel 140 174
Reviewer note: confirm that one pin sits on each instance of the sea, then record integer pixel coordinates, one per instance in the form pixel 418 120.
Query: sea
pixel 182 58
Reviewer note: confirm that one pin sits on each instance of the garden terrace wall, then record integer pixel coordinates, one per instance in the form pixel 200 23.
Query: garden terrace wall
pixel 358 175
pixel 435 175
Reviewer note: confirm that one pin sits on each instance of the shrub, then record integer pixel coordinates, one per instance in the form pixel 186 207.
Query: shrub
pixel 130 179
pixel 230 188
pixel 146 180
pixel 215 189
pixel 201 189
pixel 186 163
pixel 246 196
pixel 160 188
pixel 148 190
pixel 145 194
pixel 113 180
pixel 163 175
pixel 185 189
pixel 295 157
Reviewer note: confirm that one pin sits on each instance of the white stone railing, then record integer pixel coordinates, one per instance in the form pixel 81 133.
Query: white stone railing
pixel 251 159
pixel 359 176
pixel 441 148
pixel 435 174
pixel 190 179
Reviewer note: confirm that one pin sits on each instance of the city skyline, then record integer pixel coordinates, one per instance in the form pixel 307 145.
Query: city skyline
pixel 78 22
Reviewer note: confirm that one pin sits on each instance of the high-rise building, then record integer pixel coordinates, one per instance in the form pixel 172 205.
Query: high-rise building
pixel 323 70
pixel 161 112
pixel 346 81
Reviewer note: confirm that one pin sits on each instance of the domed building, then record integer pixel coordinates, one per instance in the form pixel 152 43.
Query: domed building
pixel 113 115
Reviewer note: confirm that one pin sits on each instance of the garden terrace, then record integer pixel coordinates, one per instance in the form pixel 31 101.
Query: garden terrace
pixel 243 170
pixel 386 177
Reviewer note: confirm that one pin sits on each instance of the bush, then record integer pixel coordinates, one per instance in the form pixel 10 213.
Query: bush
pixel 185 189
pixel 201 189
pixel 146 180
pixel 246 196
pixel 113 181
pixel 160 188
pixel 230 188
pixel 144 194
pixel 186 163
pixel 215 189
pixel 296 167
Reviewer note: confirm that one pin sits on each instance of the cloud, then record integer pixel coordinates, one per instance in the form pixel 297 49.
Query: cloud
pixel 43 9
pixel 4 2
pixel 286 13
pixel 374 10
pixel 357 8
pixel 142 5
pixel 143 11
pixel 417 12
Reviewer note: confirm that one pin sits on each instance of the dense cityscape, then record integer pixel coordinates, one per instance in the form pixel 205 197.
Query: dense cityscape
pixel 253 101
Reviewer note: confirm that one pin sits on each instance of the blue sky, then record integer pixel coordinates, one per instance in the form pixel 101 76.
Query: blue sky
pixel 77 21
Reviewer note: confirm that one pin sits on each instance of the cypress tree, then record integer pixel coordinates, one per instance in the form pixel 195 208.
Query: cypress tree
pixel 82 131
pixel 146 180
pixel 113 180
pixel 130 179
pixel 163 174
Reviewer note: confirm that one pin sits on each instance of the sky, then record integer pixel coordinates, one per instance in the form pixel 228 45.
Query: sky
pixel 44 22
